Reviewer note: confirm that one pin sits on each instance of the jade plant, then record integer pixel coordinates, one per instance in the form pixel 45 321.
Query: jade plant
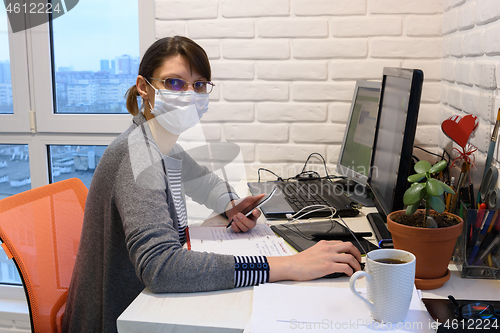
pixel 431 190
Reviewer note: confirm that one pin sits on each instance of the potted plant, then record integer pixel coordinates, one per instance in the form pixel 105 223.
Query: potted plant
pixel 430 233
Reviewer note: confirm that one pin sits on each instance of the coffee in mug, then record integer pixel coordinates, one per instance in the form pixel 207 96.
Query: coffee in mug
pixel 390 275
pixel 391 261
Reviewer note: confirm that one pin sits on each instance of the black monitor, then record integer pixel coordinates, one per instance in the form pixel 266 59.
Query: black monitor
pixel 393 144
pixel 356 150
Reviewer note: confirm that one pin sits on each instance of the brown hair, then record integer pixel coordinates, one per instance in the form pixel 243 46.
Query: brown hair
pixel 156 55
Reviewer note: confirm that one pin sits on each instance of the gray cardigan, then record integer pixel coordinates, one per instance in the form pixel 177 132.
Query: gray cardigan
pixel 130 237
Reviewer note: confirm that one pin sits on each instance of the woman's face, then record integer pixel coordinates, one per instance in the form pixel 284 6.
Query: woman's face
pixel 176 67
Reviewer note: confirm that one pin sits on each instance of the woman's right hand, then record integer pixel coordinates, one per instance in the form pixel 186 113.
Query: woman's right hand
pixel 325 257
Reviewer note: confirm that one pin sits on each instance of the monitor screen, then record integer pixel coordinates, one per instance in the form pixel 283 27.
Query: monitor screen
pixel 356 150
pixel 393 145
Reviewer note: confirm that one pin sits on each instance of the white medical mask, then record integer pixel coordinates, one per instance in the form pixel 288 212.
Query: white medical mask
pixel 178 111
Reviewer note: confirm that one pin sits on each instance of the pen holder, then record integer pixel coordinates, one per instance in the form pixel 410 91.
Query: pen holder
pixel 477 251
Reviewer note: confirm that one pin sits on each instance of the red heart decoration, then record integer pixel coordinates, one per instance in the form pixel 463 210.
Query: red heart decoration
pixel 460 129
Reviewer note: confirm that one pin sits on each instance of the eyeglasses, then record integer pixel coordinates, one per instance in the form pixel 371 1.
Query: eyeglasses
pixel 201 87
pixel 474 310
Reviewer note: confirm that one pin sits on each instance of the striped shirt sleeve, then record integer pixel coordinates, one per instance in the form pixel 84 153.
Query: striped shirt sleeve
pixel 250 271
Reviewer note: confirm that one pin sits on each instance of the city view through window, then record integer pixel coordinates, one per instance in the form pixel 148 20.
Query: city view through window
pixel 94 66
pixel 6 105
pixel 83 91
pixel 96 92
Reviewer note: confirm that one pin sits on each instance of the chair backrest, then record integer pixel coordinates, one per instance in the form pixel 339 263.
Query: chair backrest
pixel 40 229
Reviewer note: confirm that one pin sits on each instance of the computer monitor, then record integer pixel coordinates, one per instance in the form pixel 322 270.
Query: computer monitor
pixel 393 144
pixel 356 150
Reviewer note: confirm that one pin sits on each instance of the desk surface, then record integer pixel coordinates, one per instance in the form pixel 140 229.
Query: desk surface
pixel 230 310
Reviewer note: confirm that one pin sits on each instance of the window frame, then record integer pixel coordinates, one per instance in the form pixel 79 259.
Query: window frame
pixel 47 121
pixel 18 121
pixel 33 121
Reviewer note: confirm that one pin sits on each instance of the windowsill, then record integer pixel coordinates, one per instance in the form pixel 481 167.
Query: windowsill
pixel 13 304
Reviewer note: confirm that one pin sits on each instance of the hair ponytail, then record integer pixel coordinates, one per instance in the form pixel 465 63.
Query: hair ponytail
pixel 131 100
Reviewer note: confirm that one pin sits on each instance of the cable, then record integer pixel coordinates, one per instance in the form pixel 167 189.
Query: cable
pixel 307 160
pixel 431 153
pixel 298 232
pixel 304 174
pixel 345 225
pixel 442 157
pixel 323 207
pixel 263 169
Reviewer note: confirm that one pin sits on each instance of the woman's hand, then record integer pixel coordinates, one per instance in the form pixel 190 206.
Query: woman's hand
pixel 236 214
pixel 325 257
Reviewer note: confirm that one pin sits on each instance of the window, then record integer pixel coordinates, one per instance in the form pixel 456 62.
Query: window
pixel 95 81
pixel 6 105
pixel 62 87
pixel 8 271
pixel 74 162
pixel 15 174
pixel 15 177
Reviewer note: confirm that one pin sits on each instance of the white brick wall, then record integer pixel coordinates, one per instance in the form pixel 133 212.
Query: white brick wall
pixel 470 69
pixel 285 70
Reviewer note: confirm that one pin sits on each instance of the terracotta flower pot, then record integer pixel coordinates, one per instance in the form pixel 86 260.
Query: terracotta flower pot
pixel 433 248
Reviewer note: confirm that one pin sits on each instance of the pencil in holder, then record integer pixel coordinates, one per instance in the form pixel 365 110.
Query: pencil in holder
pixel 477 254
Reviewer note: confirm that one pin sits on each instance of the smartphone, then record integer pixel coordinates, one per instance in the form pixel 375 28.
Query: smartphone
pixel 248 210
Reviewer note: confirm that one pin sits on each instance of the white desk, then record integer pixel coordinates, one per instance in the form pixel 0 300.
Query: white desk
pixel 230 310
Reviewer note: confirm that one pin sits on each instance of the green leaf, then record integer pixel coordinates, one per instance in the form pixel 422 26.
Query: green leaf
pixel 447 189
pixel 414 194
pixel 412 208
pixel 437 204
pixel 416 177
pixel 439 166
pixel 422 166
pixel 434 187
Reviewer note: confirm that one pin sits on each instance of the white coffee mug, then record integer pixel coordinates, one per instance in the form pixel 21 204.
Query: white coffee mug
pixel 389 285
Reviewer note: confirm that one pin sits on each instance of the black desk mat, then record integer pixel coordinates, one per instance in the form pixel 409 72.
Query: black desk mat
pixel 299 235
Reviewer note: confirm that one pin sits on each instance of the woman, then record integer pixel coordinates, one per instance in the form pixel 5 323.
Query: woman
pixel 135 216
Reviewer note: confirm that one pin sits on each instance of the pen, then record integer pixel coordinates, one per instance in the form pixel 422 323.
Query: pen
pixel 494 222
pixel 471 217
pixel 231 199
pixel 488 250
pixel 448 196
pixel 480 237
pixel 249 209
pixel 461 182
pixel 493 142
pixel 247 214
pixel 471 196
pixel 493 261
pixel 340 235
pixel 490 235
pixel 478 223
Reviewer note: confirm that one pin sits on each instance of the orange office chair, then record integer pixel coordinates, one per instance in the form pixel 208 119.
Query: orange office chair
pixel 40 229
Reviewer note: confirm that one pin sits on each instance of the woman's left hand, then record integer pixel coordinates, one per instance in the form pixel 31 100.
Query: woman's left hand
pixel 240 222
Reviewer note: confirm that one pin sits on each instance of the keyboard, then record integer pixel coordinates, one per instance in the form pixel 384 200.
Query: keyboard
pixel 292 196
pixel 379 227
pixel 301 196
